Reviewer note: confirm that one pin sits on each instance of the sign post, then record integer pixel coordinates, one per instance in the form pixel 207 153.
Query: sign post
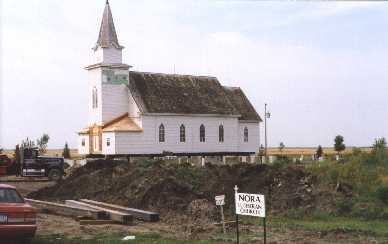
pixel 251 205
pixel 235 200
pixel 220 201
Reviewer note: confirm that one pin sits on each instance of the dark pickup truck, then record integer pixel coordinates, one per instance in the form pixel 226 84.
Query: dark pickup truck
pixel 30 164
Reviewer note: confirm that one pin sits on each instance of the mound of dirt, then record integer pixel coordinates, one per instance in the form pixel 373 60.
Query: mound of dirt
pixel 164 187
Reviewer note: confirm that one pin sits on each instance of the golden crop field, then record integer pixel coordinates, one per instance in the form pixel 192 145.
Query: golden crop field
pixel 50 152
pixel 287 151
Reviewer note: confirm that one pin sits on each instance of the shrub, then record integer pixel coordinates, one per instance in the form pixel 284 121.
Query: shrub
pixel 344 206
pixel 367 210
pixel 382 194
pixel 66 151
pixel 282 160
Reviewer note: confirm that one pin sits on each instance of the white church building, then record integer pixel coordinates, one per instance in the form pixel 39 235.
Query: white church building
pixel 135 113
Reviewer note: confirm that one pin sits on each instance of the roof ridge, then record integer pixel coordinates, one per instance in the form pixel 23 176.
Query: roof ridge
pixel 232 87
pixel 177 75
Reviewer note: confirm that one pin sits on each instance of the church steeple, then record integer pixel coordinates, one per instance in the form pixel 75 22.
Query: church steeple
pixel 107 51
pixel 107 37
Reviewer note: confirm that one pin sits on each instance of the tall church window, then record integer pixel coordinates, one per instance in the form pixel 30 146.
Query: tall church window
pixel 161 133
pixel 182 133
pixel 221 133
pixel 245 134
pixel 95 98
pixel 202 133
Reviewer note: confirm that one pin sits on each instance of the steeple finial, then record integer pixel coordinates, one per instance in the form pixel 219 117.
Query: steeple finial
pixel 107 36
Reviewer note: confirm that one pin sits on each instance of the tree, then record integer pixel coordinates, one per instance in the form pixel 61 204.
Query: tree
pixel 319 151
pixel 339 145
pixel 42 143
pixel 16 153
pixel 66 151
pixel 379 145
pixel 281 147
pixel 17 160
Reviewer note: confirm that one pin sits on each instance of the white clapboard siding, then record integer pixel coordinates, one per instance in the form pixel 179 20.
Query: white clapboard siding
pixel 133 110
pixel 147 142
pixel 107 56
pixel 253 143
pixel 114 101
pixel 111 149
pixel 83 149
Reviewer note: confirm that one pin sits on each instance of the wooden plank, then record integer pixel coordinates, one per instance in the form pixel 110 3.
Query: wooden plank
pixel 138 213
pixel 226 222
pixel 96 222
pixel 65 210
pixel 117 216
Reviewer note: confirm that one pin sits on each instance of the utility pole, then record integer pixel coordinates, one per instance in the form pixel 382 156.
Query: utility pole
pixel 266 115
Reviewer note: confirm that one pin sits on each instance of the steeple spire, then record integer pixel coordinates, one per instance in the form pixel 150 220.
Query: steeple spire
pixel 107 36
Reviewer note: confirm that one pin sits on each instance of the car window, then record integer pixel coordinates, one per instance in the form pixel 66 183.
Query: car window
pixel 9 196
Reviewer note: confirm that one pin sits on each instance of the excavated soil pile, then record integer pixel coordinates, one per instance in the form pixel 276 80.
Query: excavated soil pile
pixel 165 187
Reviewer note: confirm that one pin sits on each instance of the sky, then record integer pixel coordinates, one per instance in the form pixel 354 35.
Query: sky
pixel 322 67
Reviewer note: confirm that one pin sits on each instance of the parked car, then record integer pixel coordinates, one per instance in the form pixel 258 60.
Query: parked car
pixel 17 218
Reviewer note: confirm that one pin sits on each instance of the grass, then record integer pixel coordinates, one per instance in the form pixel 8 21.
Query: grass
pixel 375 228
pixel 333 224
pixel 140 239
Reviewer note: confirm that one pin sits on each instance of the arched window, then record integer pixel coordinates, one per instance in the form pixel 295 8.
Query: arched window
pixel 245 134
pixel 95 98
pixel 221 133
pixel 202 133
pixel 182 133
pixel 161 133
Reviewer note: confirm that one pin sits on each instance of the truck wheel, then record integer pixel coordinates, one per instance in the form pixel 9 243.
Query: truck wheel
pixel 55 175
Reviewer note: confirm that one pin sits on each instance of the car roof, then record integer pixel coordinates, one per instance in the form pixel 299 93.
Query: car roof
pixel 7 186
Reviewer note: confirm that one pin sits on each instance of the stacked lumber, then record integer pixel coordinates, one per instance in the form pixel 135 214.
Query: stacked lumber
pixel 138 213
pixel 65 210
pixel 89 212
pixel 117 216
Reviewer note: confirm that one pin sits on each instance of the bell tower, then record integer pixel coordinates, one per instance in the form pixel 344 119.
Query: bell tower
pixel 108 76
pixel 107 48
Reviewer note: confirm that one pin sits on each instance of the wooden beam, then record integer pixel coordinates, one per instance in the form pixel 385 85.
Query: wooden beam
pixel 138 213
pixel 95 222
pixel 65 210
pixel 117 216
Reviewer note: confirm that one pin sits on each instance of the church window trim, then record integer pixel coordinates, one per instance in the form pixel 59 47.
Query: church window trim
pixel 221 133
pixel 246 134
pixel 161 133
pixel 95 97
pixel 182 133
pixel 202 133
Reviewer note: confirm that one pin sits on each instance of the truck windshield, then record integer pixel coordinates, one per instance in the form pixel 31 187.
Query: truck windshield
pixel 9 196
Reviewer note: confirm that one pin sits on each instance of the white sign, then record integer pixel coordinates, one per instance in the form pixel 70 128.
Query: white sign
pixel 220 200
pixel 250 204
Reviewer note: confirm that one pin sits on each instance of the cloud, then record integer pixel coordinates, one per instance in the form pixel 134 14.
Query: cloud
pixel 314 89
